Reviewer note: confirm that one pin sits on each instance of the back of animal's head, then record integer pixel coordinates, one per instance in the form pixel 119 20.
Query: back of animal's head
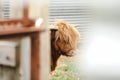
pixel 67 37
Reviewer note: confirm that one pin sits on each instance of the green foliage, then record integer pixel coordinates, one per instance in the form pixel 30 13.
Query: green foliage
pixel 66 70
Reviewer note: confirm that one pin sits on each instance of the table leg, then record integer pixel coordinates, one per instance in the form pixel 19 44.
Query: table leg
pixel 35 57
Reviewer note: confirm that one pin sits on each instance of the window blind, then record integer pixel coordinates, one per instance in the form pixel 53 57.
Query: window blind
pixel 74 11
pixel 4 9
pixel 10 9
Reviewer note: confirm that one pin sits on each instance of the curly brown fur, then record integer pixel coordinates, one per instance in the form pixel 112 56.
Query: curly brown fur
pixel 63 41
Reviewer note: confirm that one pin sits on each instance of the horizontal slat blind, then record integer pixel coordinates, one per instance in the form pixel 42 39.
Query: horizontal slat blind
pixel 74 11
pixel 11 9
pixel 5 9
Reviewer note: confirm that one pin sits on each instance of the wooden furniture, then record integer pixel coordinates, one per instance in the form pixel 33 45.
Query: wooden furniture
pixel 9 29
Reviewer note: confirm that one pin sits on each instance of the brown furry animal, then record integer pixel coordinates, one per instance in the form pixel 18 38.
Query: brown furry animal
pixel 63 41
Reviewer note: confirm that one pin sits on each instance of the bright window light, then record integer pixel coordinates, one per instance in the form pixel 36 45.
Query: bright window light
pixel 102 56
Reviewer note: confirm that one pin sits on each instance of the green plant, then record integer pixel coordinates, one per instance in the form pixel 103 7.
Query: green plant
pixel 66 70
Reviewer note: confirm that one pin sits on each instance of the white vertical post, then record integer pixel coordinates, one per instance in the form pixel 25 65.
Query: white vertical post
pixel 25 58
pixel 39 9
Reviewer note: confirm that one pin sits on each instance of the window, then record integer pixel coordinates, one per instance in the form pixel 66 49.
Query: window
pixel 76 12
pixel 5 9
pixel 11 9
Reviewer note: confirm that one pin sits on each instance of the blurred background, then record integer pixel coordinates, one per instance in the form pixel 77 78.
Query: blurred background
pixel 98 21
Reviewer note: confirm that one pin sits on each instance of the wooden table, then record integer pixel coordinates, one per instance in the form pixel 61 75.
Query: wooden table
pixel 34 34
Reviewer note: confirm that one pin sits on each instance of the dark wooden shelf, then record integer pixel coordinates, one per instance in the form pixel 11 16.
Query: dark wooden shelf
pixel 20 30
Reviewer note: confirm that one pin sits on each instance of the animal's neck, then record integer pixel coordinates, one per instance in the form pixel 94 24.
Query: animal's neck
pixel 54 58
pixel 54 53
